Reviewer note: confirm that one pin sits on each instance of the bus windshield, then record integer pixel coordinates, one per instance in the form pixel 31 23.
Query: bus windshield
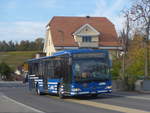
pixel 93 69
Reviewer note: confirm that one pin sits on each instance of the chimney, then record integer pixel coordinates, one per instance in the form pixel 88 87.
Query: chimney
pixel 87 16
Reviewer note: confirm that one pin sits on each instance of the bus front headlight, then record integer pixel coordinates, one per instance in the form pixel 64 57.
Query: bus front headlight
pixel 76 89
pixel 108 87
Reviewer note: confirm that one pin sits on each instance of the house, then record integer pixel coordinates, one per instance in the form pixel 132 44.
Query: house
pixel 80 32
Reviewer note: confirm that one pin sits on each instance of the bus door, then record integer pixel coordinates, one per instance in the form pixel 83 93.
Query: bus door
pixel 66 73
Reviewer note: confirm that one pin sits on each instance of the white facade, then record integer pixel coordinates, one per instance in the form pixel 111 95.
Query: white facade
pixel 49 48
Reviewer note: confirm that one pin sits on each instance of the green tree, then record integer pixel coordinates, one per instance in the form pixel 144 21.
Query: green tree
pixel 140 14
pixel 11 46
pixel 5 71
pixel 134 62
pixel 115 71
pixel 39 43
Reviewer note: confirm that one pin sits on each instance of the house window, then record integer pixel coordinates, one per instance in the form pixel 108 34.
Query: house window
pixel 86 39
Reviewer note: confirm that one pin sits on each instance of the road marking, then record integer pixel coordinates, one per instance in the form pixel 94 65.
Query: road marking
pixel 103 106
pixel 23 105
pixel 54 97
pixel 133 97
pixel 107 106
pixel 137 97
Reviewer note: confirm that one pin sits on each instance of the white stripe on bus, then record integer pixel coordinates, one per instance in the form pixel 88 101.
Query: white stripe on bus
pixel 52 82
pixel 102 91
pixel 34 77
pixel 31 75
pixel 38 80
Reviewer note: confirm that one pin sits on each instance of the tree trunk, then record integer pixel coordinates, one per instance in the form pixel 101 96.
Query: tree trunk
pixel 147 50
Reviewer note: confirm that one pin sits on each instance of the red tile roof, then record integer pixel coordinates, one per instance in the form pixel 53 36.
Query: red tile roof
pixel 62 29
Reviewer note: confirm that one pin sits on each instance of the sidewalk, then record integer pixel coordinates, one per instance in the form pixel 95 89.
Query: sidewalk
pixel 12 84
pixel 132 92
pixel 8 105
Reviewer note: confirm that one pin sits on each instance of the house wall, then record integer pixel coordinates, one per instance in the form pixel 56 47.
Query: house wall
pixel 48 45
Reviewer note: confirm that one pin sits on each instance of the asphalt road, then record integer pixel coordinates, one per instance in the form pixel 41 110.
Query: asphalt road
pixel 19 99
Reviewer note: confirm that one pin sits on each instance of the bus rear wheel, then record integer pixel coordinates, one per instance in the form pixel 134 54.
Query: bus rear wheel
pixel 61 96
pixel 38 92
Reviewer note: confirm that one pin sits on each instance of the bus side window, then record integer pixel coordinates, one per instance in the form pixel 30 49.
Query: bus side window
pixel 50 67
pixel 57 68
pixel 40 68
pixel 30 71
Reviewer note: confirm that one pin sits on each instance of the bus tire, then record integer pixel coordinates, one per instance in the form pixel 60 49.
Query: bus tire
pixel 61 96
pixel 38 90
pixel 94 95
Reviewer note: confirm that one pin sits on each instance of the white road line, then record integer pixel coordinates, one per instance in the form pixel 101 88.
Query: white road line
pixel 137 97
pixel 104 106
pixel 23 105
pixel 133 97
pixel 108 106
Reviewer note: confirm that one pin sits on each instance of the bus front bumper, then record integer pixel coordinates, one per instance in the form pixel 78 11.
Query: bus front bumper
pixel 73 93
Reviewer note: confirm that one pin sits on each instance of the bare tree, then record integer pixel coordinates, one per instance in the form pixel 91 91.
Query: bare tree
pixel 125 39
pixel 140 12
pixel 127 29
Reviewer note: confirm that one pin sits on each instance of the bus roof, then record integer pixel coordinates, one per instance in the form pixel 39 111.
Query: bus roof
pixel 74 51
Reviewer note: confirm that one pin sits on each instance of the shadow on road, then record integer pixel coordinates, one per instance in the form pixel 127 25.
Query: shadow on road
pixel 100 96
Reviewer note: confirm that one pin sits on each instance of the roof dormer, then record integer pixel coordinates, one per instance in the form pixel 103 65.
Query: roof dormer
pixel 86 30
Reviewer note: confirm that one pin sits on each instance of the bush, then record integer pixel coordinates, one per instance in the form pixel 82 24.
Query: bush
pixel 5 71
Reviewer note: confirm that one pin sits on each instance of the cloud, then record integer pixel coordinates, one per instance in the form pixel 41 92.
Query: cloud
pixel 11 4
pixel 46 3
pixel 21 20
pixel 16 4
pixel 22 30
pixel 112 11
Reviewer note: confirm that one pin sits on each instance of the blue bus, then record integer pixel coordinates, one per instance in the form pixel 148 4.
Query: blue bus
pixel 71 73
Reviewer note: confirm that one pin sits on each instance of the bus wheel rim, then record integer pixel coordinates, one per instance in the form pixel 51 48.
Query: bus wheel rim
pixel 38 91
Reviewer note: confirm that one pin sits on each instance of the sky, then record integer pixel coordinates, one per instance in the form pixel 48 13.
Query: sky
pixel 26 19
